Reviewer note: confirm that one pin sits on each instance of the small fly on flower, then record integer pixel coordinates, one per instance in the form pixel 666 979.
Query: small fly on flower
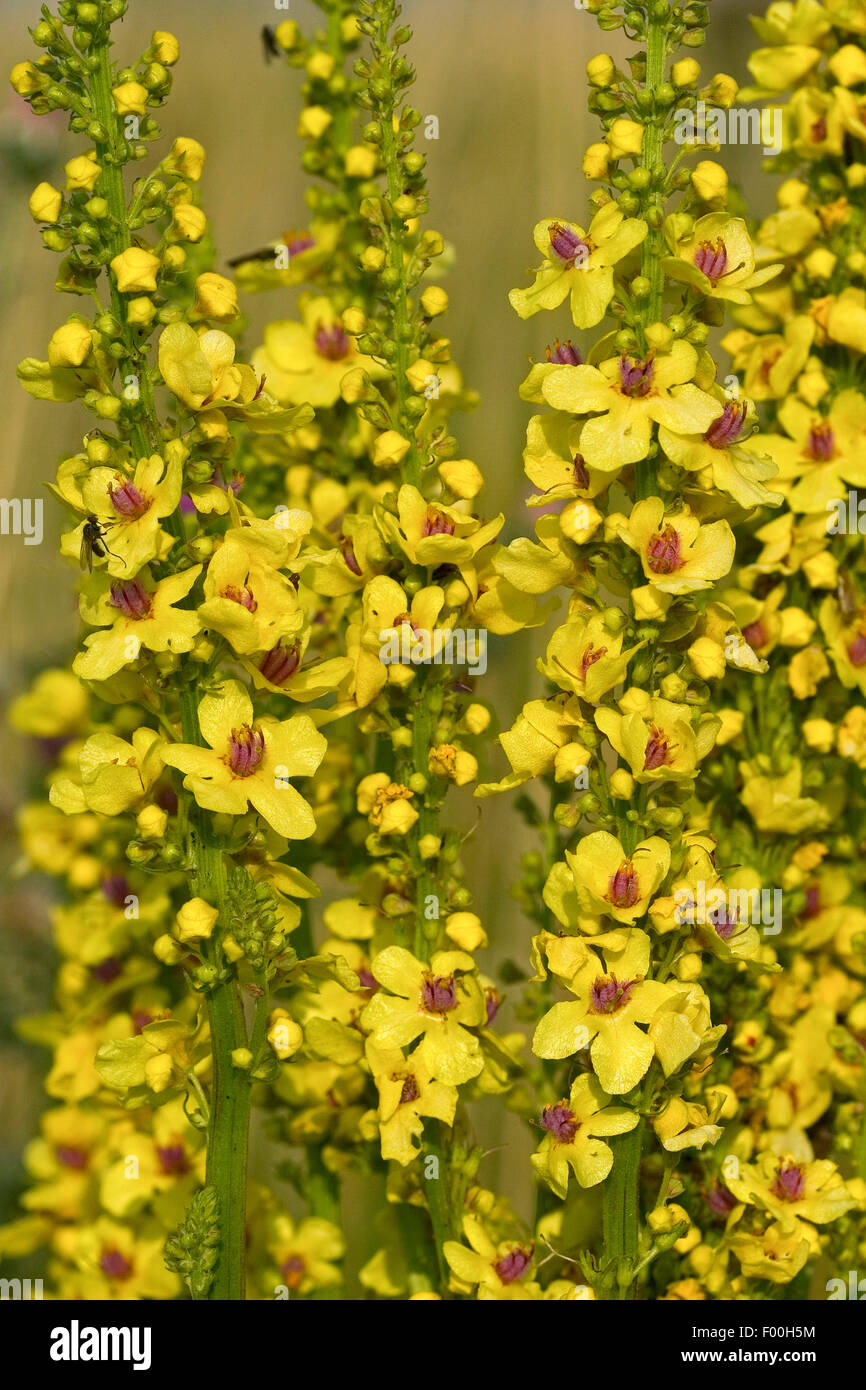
pixel 93 535
pixel 269 43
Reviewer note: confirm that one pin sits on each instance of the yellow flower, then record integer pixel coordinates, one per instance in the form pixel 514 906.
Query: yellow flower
pixel 284 1034
pixel 170 1160
pixel 215 297
pixel 361 161
pixel 112 1260
pixel 793 1191
pixel 613 996
pixel 56 705
pixel 627 395
pixel 777 1254
pixel 250 761
pixel 579 264
pixel 726 459
pixel 135 270
pixel 610 882
pixel 62 1160
pixel 313 122
pixel 115 775
pixel 303 1255
pixel 438 1002
pixel 462 476
pixel 585 656
pixel 683 1125
pixel 846 643
pixel 823 452
pixel 771 362
pixel 718 259
pixel 139 614
pixel 27 79
pixel 135 505
pixel 573 1143
pixel 851 736
pixel 246 599
pixel 678 554
pixel 775 803
pixel 407 1095
pixel 466 931
pixel 387 804
pixel 432 534
pixel 778 68
pixel 307 361
pixel 500 1271
pixel 389 449
pixel 456 764
pixel 657 737
pixel 531 744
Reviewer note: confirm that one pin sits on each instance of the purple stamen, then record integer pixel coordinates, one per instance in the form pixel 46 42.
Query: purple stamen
pixel 727 427
pixel 559 1120
pixel 711 259
pixel 131 598
pixel 438 993
pixel 246 749
pixel 127 500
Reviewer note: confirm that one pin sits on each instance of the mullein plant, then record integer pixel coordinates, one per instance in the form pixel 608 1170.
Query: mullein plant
pixel 408 601
pixel 665 1027
pixel 794 755
pixel 240 553
pixel 173 802
pixel 247 558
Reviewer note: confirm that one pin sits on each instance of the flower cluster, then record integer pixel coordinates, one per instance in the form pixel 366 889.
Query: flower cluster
pixel 288 580
pixel 680 537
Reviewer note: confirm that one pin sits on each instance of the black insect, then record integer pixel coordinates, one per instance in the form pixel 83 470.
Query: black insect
pixel 93 542
pixel 269 43
pixel 267 253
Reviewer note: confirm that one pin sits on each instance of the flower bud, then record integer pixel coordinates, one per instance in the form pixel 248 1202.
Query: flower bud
pixel 45 203
pixel 196 920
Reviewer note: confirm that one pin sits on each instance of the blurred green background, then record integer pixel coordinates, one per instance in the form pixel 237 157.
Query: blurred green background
pixel 506 79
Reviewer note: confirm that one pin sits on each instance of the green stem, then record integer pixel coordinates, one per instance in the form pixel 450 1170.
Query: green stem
pixel 399 294
pixel 652 159
pixel 228 1126
pixel 144 431
pixel 621 1212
